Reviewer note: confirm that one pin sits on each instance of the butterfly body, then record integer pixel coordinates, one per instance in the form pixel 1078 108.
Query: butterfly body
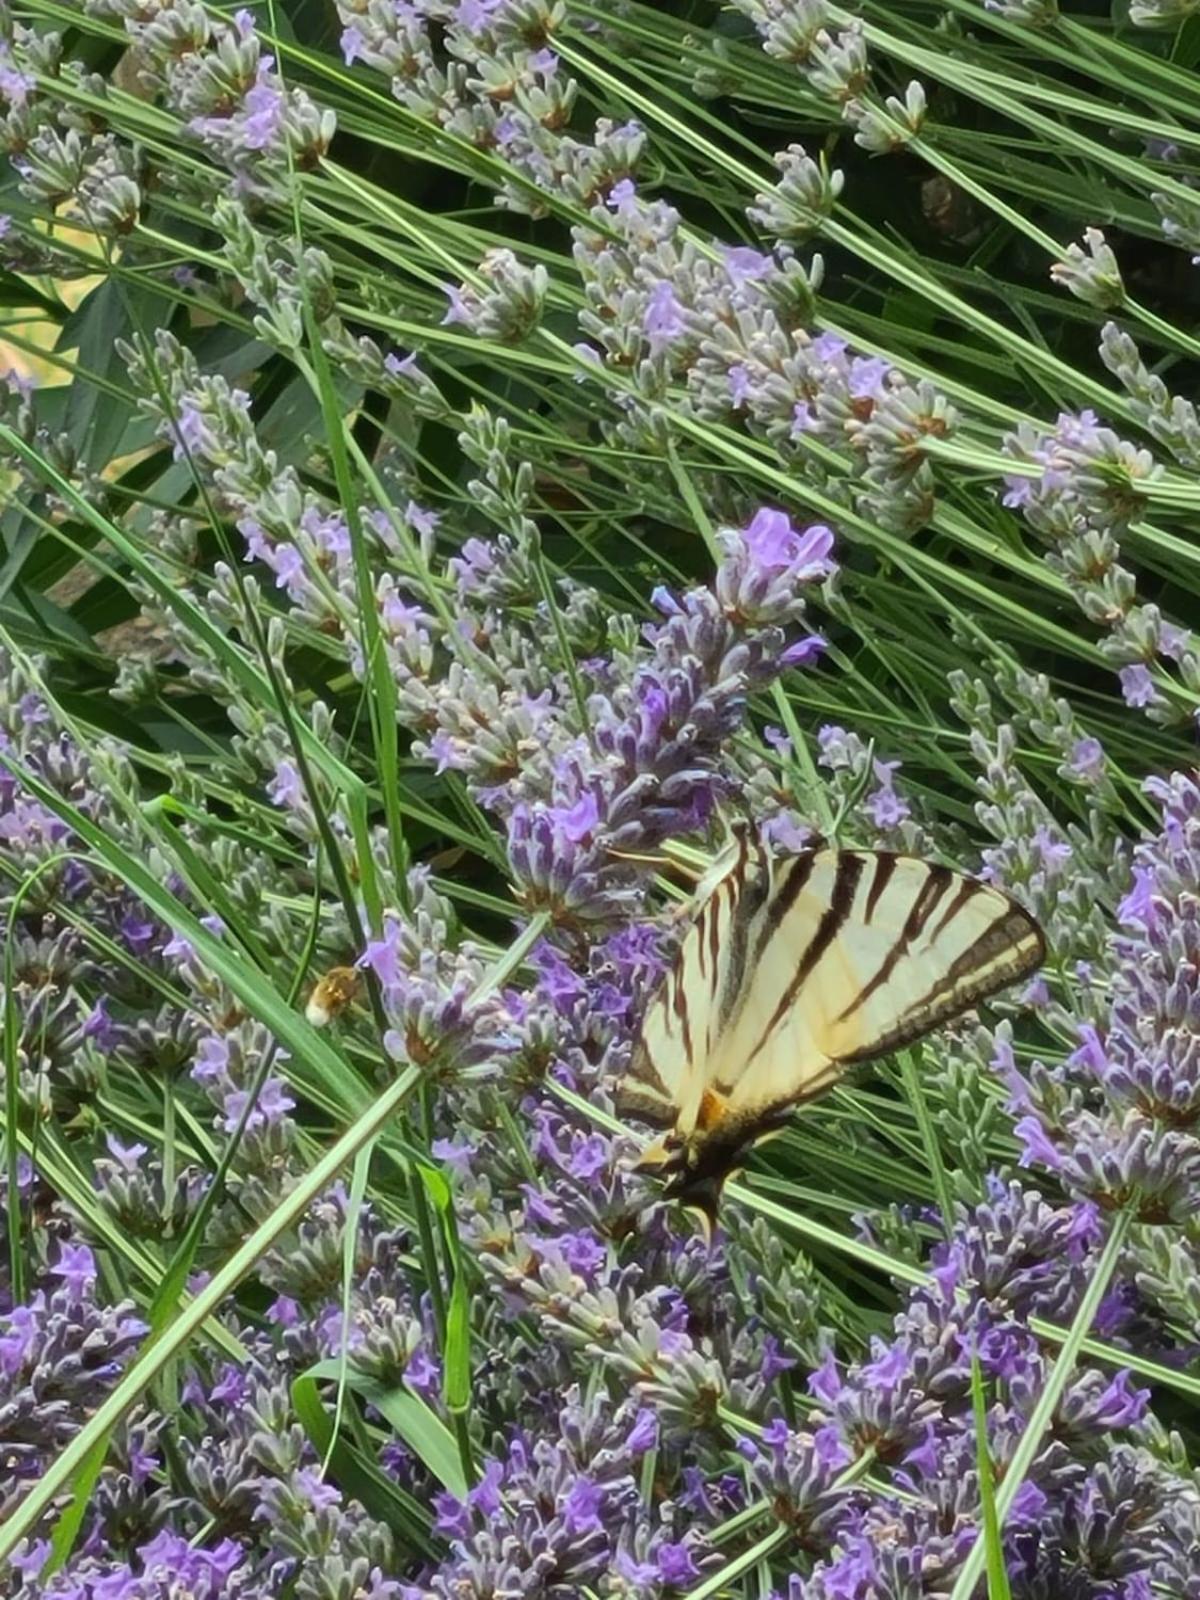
pixel 793 970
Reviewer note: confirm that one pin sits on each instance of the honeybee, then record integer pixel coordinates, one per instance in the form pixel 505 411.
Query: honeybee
pixel 332 995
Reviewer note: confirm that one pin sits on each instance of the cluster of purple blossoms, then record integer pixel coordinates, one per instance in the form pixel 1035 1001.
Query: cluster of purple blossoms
pixel 506 304
pixel 61 1351
pixel 215 75
pixel 555 1514
pixel 729 330
pixel 1117 1121
pixel 1070 874
pixel 486 70
pixel 1084 487
pixel 68 162
pixel 829 50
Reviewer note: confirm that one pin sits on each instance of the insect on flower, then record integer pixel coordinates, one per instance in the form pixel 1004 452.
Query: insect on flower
pixel 332 995
pixel 792 972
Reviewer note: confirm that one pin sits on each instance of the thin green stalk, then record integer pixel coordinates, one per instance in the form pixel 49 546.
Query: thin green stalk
pixel 429 1256
pixel 997 1570
pixel 566 654
pixel 929 1136
pixel 60 1476
pixel 1043 1413
pixel 1171 334
pixel 740 1565
pixel 350 1227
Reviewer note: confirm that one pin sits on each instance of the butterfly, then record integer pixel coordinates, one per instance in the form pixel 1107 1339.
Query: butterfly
pixel 793 970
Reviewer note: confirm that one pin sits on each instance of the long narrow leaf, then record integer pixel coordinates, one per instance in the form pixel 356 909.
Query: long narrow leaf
pixel 426 1435
pixel 60 1474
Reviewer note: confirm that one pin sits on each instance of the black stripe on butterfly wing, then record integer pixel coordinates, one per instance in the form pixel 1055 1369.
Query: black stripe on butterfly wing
pixel 885 866
pixel 709 936
pixel 679 1006
pixel 968 890
pixel 931 892
pixel 714 951
pixel 787 891
pixel 749 886
pixel 847 873
pixel 1014 932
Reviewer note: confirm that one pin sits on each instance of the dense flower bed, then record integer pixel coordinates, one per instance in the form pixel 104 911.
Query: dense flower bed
pixel 393 719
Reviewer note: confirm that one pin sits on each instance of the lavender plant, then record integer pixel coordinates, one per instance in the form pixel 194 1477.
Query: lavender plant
pixel 499 454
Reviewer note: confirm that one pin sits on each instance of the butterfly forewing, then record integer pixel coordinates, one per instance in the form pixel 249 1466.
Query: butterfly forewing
pixel 870 951
pixel 683 1026
pixel 793 970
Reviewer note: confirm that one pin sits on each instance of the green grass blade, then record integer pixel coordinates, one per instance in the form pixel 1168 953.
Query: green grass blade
pixel 997 1569
pixel 154 1358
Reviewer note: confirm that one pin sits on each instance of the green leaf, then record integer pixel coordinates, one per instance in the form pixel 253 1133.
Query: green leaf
pixel 97 412
pixel 70 1520
pixel 16 550
pixel 997 1570
pixel 436 1187
pixel 357 1474
pixel 456 1378
pixel 422 1430
pixel 358 1185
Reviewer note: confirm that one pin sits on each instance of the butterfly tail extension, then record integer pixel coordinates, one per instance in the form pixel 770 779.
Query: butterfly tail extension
pixel 662 1159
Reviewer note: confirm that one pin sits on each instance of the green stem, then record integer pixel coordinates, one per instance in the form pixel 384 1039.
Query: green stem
pixel 1043 1413
pixel 740 1565
pixel 57 1479
pixel 929 1138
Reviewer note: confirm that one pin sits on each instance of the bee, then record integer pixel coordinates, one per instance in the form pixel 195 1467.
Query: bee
pixel 332 995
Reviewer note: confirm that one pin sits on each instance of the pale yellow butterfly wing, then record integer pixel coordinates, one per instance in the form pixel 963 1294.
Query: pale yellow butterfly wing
pixel 855 954
pixel 684 1024
pixel 793 970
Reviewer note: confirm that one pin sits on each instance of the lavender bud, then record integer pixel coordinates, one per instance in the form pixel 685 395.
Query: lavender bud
pixel 801 200
pixel 1179 217
pixel 1092 275
pixel 1160 14
pixel 890 128
pixel 507 306
pixel 1171 419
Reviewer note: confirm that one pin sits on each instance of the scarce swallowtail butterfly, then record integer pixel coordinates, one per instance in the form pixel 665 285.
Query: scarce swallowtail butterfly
pixel 793 970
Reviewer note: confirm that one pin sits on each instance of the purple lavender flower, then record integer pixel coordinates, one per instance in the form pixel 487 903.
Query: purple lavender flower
pixel 1119 1122
pixel 766 565
pixel 60 1353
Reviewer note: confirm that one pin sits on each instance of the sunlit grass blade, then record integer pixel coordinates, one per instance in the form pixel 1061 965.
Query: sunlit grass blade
pixel 997 1567
pixel 62 1472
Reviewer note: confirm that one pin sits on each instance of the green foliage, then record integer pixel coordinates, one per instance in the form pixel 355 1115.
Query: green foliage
pixel 125 593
